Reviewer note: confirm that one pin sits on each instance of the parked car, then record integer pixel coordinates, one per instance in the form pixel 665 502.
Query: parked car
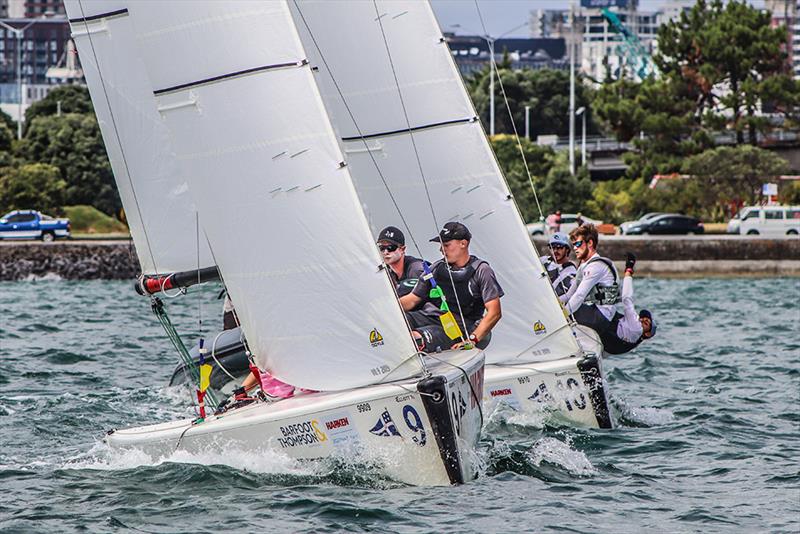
pixel 568 222
pixel 30 224
pixel 766 220
pixel 623 228
pixel 668 223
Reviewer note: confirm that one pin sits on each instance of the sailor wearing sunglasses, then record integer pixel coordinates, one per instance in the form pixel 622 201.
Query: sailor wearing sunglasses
pixel 560 270
pixel 404 270
pixel 593 295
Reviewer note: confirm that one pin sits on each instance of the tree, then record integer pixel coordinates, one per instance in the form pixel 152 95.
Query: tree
pixel 546 91
pixel 72 142
pixel 657 118
pixel 724 53
pixel 555 187
pixel 73 99
pixel 33 186
pixel 734 173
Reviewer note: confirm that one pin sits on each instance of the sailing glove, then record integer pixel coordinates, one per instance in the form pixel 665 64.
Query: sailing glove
pixel 630 261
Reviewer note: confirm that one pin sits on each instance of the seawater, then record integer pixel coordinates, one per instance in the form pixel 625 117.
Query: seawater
pixel 708 436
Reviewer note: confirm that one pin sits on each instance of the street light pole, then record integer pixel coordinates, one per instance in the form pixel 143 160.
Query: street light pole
pixel 571 90
pixel 491 85
pixel 19 33
pixel 527 122
pixel 582 112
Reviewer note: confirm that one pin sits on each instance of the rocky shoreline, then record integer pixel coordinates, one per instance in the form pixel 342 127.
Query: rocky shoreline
pixel 682 257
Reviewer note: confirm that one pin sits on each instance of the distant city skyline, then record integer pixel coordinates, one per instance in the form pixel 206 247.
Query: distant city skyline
pixel 501 16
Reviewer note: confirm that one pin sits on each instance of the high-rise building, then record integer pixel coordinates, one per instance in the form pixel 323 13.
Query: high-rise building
pixel 45 45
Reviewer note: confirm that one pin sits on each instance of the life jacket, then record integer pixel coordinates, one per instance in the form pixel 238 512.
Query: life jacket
pixel 405 284
pixel 613 344
pixel 457 292
pixel 602 294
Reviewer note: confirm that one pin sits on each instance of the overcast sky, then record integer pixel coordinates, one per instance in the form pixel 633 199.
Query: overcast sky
pixel 501 16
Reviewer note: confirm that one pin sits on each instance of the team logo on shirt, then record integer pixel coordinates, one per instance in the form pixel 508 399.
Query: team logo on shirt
pixel 375 338
pixel 539 328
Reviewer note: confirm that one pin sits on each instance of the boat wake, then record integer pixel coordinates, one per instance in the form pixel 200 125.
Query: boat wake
pixel 640 416
pixel 563 455
pixel 365 469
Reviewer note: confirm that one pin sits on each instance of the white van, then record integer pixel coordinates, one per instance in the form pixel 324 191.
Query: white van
pixel 766 220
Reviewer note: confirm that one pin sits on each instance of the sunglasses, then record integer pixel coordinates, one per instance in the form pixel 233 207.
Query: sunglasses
pixel 558 246
pixel 387 248
pixel 577 244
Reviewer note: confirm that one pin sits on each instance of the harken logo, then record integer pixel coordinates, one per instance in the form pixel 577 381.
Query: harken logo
pixel 385 426
pixel 375 338
pixel 539 328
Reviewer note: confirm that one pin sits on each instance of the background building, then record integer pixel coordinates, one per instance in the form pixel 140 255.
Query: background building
pixel 472 53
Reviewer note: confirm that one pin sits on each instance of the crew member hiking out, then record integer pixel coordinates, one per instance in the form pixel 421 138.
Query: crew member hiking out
pixel 595 291
pixel 404 270
pixel 557 264
pixel 470 290
pixel 628 329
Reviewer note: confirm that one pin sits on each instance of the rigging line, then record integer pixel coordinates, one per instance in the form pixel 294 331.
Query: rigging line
pixel 242 337
pixel 478 400
pixel 199 293
pixel 379 19
pixel 214 356
pixel 116 134
pixel 374 162
pixel 361 134
pixel 493 67
pixel 495 70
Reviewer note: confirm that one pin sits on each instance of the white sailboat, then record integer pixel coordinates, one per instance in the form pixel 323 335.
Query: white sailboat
pixel 410 132
pixel 224 91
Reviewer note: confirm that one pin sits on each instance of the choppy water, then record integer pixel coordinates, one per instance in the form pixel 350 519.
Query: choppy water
pixel 709 435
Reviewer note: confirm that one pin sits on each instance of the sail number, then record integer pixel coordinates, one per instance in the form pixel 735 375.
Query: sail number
pixel 459 407
pixel 363 407
pixel 541 394
pixel 414 424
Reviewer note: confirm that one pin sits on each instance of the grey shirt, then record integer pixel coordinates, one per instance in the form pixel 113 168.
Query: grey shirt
pixel 483 282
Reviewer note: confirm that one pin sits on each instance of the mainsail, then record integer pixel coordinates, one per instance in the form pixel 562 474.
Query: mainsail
pixel 160 212
pixel 409 130
pixel 276 201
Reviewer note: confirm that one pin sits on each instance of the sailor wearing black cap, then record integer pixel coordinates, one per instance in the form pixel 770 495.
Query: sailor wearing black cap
pixel 470 288
pixel 404 270
pixel 628 329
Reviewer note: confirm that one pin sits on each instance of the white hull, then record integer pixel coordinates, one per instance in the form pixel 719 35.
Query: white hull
pixel 572 390
pixel 421 431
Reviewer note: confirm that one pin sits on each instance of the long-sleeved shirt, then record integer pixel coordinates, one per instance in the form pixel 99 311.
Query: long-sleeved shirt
pixel 629 327
pixel 590 275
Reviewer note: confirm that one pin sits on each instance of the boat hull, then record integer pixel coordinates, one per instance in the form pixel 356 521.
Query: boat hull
pixel 420 432
pixel 571 391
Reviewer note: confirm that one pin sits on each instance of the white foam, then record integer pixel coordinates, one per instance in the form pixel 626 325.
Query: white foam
pixel 557 452
pixel 101 457
pixel 43 277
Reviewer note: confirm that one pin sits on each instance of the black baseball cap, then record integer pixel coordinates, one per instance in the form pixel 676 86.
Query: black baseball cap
pixel 452 230
pixel 392 235
pixel 647 314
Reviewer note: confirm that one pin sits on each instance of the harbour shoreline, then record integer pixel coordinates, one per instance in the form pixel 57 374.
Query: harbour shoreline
pixel 689 257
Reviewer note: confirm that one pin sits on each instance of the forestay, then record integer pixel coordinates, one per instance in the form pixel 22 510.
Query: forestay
pixel 348 42
pixel 159 210
pixel 278 205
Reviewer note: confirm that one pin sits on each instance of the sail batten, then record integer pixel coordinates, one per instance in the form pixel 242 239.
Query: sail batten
pixel 249 132
pixel 383 80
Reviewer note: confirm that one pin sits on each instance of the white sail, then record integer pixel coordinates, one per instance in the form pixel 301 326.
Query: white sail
pixel 277 204
pixel 348 42
pixel 160 213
